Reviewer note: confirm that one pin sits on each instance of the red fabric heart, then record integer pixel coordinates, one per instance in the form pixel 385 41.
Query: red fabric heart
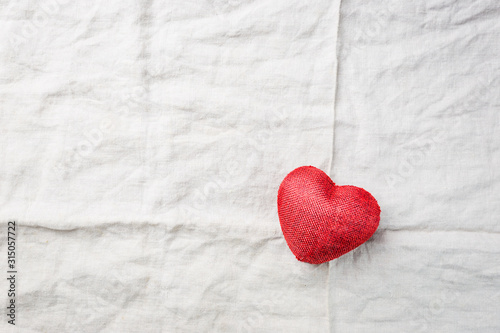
pixel 322 221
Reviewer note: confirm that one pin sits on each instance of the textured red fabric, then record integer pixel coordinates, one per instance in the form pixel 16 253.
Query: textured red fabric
pixel 322 221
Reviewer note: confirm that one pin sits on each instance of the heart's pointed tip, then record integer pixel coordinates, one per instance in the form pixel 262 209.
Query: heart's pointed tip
pixel 313 261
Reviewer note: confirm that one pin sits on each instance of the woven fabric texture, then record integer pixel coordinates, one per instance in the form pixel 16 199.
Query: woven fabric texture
pixel 322 221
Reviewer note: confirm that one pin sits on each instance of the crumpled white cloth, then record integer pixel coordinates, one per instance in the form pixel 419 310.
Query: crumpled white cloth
pixel 416 124
pixel 144 143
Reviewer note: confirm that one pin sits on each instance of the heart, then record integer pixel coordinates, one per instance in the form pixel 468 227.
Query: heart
pixel 322 221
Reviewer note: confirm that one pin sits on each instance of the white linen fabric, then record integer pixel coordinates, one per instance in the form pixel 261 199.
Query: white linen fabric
pixel 143 143
pixel 417 120
pixel 143 146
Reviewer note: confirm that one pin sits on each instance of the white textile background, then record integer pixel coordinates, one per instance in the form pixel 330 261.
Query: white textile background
pixel 143 146
pixel 417 124
pixel 143 143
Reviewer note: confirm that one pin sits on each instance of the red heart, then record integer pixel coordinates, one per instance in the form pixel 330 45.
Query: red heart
pixel 322 221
